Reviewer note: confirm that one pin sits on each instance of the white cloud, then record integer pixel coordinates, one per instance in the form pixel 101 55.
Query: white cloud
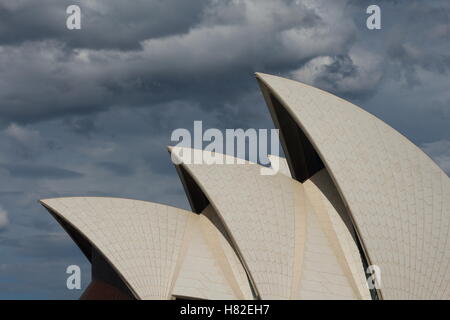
pixel 22 141
pixel 311 70
pixel 4 221
pixel 23 135
pixel 358 73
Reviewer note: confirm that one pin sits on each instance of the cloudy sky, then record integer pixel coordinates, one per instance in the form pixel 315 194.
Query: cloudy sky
pixel 91 111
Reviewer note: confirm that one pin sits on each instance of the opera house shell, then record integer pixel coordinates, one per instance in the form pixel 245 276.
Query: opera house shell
pixel 352 193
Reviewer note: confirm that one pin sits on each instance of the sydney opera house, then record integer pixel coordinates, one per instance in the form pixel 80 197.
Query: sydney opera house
pixel 353 193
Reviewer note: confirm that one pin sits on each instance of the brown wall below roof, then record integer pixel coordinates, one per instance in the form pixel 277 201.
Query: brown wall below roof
pixel 104 277
pixel 99 290
pixel 105 284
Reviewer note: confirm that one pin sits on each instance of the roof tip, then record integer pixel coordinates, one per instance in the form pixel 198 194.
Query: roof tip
pixel 264 77
pixel 260 75
pixel 169 148
pixel 43 202
pixel 47 200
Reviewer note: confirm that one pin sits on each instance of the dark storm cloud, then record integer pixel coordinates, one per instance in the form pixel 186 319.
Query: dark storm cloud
pixel 212 63
pixel 40 172
pixel 207 58
pixel 114 24
pixel 342 70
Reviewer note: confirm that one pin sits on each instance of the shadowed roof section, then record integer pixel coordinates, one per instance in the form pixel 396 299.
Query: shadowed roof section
pixel 397 196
